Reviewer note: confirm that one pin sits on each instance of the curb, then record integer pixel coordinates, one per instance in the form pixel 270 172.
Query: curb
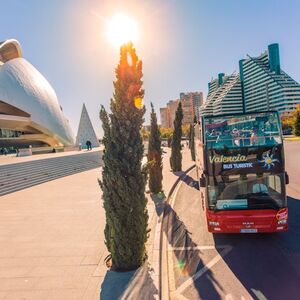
pixel 163 265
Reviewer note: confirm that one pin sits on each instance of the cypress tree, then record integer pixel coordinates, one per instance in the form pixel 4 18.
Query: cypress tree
pixel 192 143
pixel 154 155
pixel 176 157
pixel 192 139
pixel 122 182
pixel 190 135
pixel 297 123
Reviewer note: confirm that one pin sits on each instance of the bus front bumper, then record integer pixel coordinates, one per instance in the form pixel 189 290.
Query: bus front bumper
pixel 247 221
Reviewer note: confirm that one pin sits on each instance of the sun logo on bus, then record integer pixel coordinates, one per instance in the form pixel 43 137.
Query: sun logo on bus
pixel 268 161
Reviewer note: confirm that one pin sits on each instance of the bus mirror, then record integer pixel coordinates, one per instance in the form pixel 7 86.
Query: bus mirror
pixel 202 181
pixel 287 178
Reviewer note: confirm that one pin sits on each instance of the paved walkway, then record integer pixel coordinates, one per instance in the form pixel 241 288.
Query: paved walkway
pixel 170 177
pixel 52 242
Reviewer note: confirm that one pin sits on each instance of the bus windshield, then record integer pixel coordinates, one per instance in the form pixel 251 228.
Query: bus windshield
pixel 257 129
pixel 251 191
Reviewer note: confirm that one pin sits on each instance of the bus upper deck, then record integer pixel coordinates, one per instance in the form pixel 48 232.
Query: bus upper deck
pixel 242 131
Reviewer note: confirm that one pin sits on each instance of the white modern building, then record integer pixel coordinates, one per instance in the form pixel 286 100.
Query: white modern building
pixel 224 95
pixel 30 113
pixel 261 85
pixel 86 131
pixel 265 85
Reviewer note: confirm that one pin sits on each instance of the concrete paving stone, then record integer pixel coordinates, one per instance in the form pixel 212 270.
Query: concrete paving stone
pixel 6 251
pixel 101 268
pixel 31 261
pixel 27 295
pixel 5 237
pixel 68 260
pixel 96 237
pixel 92 259
pixel 54 252
pixel 24 283
pixel 87 270
pixel 94 288
pixel 52 271
pixel 14 272
pixel 62 282
pixel 65 294
pixel 3 295
pixel 57 271
pixel 22 238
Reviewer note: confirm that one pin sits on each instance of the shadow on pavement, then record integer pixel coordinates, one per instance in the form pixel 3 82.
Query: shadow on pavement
pixel 158 200
pixel 188 261
pixel 267 265
pixel 129 285
pixel 188 180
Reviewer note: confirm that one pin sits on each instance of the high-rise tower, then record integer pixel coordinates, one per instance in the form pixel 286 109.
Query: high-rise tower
pixel 265 85
pixel 261 85
pixel 224 95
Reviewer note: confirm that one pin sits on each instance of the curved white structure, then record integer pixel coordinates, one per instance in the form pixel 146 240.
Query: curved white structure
pixel 28 103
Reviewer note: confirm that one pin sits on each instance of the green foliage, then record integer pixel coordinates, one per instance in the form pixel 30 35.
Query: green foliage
pixel 297 123
pixel 287 123
pixel 166 133
pixel 192 142
pixel 169 141
pixel 190 135
pixel 123 183
pixel 195 119
pixel 176 157
pixel 185 130
pixel 192 139
pixel 145 134
pixel 154 155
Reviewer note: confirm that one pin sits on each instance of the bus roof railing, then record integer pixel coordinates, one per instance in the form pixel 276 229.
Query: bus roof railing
pixel 240 114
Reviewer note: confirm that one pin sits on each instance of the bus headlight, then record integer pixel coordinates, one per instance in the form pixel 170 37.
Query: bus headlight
pixel 283 221
pixel 212 223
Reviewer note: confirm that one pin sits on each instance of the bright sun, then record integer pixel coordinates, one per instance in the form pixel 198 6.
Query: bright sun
pixel 121 29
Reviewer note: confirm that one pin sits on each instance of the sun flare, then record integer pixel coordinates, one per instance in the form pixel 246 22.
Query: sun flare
pixel 121 29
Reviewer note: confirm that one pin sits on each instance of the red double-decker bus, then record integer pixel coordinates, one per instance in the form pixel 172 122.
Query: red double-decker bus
pixel 240 164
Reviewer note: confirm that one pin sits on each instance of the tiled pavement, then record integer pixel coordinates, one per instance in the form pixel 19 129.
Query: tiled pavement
pixel 51 240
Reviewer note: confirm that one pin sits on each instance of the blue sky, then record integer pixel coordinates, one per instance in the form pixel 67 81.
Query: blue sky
pixel 183 44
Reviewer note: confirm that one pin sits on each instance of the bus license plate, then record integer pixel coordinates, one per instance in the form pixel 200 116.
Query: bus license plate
pixel 248 230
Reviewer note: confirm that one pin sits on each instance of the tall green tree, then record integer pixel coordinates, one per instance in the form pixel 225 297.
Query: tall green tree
pixel 176 157
pixel 297 122
pixel 190 135
pixel 154 155
pixel 192 139
pixel 123 184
